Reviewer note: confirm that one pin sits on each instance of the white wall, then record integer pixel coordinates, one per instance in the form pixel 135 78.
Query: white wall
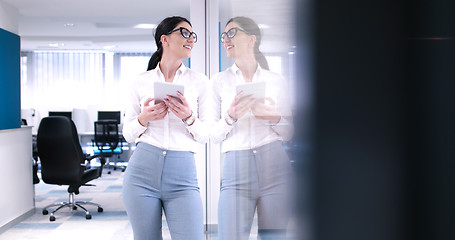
pixel 204 59
pixel 197 19
pixel 16 182
pixel 213 152
pixel 8 18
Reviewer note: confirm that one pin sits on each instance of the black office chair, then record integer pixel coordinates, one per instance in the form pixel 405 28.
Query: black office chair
pixel 107 140
pixel 62 161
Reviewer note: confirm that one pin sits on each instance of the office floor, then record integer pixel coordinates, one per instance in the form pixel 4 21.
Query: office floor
pixel 111 224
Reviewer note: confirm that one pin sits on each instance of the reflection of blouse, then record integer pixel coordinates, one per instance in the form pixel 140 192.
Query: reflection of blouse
pixel 249 132
pixel 169 133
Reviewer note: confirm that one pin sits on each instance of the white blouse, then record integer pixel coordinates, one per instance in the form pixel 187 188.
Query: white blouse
pixel 169 133
pixel 249 132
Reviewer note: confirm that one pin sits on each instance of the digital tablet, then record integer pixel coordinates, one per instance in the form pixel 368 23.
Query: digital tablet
pixel 161 89
pixel 257 89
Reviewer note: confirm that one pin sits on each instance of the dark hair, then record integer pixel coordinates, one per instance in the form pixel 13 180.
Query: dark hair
pixel 165 26
pixel 252 28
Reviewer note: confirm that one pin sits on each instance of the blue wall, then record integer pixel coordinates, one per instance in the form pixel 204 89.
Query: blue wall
pixel 10 101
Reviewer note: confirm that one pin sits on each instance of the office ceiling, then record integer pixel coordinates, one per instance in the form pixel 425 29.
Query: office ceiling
pixel 92 24
pixel 110 24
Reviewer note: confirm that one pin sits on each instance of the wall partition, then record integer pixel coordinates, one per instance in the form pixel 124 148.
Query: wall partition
pixel 17 200
pixel 9 80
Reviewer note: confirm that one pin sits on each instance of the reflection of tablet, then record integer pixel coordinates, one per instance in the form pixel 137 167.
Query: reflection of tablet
pixel 163 88
pixel 257 89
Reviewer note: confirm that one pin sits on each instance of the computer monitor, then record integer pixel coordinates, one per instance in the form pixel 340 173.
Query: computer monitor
pixel 65 114
pixel 109 115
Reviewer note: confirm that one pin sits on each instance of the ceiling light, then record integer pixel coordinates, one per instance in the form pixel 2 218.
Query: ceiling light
pixel 72 51
pixel 107 47
pixel 292 51
pixel 68 25
pixel 263 26
pixel 145 26
pixel 53 44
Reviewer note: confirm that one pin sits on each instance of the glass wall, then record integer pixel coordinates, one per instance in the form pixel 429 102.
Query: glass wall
pixel 244 208
pixel 96 80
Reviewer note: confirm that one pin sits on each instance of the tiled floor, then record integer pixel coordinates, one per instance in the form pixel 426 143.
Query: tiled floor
pixel 111 224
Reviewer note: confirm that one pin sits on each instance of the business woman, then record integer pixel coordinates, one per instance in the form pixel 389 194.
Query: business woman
pixel 256 168
pixel 161 173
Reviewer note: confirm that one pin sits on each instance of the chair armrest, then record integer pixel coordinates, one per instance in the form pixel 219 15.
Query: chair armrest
pixel 88 158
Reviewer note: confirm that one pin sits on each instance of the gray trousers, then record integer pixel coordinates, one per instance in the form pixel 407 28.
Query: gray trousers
pixel 157 180
pixel 255 179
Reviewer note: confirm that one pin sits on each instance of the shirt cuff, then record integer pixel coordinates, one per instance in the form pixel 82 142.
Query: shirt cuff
pixel 193 127
pixel 283 121
pixel 226 127
pixel 138 128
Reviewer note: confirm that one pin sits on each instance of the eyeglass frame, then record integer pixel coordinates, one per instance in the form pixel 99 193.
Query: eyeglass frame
pixel 181 32
pixel 225 34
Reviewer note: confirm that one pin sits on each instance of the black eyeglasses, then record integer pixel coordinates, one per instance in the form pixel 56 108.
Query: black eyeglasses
pixel 185 33
pixel 231 33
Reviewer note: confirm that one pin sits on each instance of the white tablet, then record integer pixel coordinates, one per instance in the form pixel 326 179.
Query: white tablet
pixel 257 89
pixel 161 89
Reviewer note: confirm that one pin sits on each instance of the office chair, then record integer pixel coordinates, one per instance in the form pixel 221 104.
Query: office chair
pixel 62 161
pixel 107 141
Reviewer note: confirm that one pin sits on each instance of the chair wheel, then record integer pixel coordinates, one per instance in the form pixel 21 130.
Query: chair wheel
pixel 88 216
pixel 109 172
pixel 74 208
pixel 51 218
pixel 123 170
pixel 45 212
pixel 100 209
pixel 115 168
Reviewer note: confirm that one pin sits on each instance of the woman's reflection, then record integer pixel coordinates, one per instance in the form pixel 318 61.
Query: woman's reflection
pixel 256 167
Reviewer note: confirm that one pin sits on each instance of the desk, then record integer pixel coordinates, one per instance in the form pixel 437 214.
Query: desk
pixel 86 140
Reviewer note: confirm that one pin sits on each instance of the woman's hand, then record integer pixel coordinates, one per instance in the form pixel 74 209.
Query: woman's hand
pixel 181 108
pixel 151 112
pixel 240 106
pixel 265 111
